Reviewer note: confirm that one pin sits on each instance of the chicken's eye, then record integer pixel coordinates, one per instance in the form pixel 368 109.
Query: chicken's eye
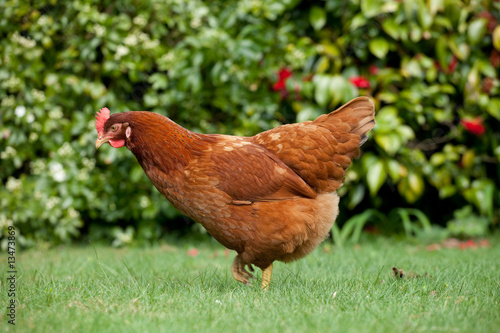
pixel 114 127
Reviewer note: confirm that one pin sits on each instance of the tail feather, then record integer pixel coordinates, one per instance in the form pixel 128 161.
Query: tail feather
pixel 359 113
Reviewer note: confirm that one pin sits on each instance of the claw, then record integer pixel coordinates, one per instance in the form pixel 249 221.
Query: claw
pixel 239 271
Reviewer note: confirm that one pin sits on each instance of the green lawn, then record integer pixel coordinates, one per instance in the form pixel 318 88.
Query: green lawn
pixel 162 289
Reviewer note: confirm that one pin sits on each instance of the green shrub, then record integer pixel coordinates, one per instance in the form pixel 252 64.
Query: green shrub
pixel 241 67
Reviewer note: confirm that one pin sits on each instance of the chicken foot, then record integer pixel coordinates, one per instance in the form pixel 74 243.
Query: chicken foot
pixel 266 277
pixel 239 271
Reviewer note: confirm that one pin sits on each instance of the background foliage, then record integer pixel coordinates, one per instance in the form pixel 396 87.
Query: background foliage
pixel 240 67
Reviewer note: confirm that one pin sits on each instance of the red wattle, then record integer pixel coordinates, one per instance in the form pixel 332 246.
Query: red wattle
pixel 117 143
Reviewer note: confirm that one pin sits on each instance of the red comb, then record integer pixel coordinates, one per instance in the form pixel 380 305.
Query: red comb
pixel 100 119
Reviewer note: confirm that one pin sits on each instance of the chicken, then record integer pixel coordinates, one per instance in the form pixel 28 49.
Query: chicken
pixel 269 197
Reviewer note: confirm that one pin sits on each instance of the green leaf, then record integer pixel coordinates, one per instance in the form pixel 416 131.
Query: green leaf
pixel 308 113
pixel 447 191
pixel 356 195
pixel 476 31
pixel 406 132
pixel 387 119
pixel 376 176
pixel 391 28
pixel 379 47
pixel 496 151
pixel 442 51
pixel 395 169
pixel 158 81
pixel 412 68
pixel 150 99
pixel 481 195
pixel 317 17
pixel 415 32
pixel 96 89
pixel 357 21
pixel 459 48
pixel 424 16
pixel 322 65
pixel 390 142
pixel 371 8
pixel 493 107
pixel 322 89
pixel 496 38
pixel 411 187
pixel 338 89
pixel 437 159
pixel 435 6
pixel 443 22
pixel 416 183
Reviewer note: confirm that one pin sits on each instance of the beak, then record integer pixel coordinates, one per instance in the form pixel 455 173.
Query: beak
pixel 100 141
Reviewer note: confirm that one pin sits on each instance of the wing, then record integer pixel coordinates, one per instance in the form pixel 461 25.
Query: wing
pixel 248 173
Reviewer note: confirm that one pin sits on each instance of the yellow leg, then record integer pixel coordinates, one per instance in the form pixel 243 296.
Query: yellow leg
pixel 266 277
pixel 239 271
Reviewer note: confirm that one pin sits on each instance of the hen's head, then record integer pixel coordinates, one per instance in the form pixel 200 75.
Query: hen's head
pixel 111 129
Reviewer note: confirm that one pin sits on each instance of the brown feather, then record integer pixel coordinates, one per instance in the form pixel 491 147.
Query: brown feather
pixel 328 143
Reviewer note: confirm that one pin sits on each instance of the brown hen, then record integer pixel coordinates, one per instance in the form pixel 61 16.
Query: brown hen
pixel 268 197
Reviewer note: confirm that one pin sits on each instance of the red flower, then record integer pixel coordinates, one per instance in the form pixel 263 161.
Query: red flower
pixel 360 82
pixel 474 126
pixel 192 252
pixel 373 70
pixel 452 65
pixel 468 244
pixel 283 76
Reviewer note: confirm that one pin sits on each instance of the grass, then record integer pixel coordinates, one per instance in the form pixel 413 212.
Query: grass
pixel 162 289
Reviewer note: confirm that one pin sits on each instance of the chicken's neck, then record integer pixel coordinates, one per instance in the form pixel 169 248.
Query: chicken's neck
pixel 163 144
